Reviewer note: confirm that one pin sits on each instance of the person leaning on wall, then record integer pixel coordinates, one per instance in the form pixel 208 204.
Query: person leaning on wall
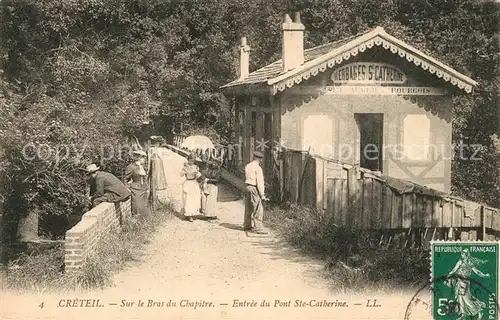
pixel 105 187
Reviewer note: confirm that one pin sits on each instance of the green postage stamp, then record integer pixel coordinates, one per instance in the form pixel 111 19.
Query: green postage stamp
pixel 464 278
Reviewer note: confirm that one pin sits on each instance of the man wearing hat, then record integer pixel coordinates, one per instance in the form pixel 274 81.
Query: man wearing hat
pixel 254 180
pixel 105 187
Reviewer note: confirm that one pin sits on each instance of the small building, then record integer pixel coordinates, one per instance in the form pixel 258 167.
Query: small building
pixel 370 100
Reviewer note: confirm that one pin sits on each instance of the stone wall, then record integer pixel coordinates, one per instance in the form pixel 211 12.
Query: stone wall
pixel 82 240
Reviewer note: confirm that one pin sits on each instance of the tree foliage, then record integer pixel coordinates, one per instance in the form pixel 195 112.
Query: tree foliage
pixel 92 72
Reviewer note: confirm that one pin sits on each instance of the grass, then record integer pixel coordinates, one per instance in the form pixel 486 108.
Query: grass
pixel 354 262
pixel 43 272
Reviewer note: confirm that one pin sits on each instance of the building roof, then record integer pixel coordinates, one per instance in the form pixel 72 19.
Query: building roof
pixel 320 58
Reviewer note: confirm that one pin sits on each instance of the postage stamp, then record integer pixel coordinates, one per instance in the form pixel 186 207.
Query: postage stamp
pixel 465 280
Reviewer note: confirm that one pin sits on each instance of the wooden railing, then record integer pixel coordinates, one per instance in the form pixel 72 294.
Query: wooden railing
pixel 219 153
pixel 362 199
pixel 177 139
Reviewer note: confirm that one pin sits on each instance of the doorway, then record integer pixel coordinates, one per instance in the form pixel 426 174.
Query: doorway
pixel 371 127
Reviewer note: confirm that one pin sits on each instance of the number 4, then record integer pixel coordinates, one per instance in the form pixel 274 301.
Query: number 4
pixel 41 305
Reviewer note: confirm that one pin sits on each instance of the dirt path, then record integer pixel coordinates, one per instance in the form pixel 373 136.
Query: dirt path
pixel 215 262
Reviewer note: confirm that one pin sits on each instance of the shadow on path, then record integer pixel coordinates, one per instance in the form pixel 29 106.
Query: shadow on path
pixel 267 244
pixel 278 249
pixel 201 217
pixel 178 215
pixel 231 226
pixel 205 218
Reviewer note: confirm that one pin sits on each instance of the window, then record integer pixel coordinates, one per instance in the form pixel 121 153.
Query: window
pixel 416 136
pixel 371 133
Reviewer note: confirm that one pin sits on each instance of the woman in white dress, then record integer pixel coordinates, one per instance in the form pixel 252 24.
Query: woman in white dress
pixel 191 192
pixel 458 279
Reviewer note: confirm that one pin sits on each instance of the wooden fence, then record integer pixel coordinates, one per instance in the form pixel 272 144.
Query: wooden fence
pixel 362 199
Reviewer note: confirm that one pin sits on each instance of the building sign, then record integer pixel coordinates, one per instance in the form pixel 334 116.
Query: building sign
pixel 368 73
pixel 378 90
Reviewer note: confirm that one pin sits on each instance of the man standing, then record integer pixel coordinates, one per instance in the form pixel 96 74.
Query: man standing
pixel 254 180
pixel 105 187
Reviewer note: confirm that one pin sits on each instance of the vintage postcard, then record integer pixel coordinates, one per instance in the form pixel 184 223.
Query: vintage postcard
pixel 233 159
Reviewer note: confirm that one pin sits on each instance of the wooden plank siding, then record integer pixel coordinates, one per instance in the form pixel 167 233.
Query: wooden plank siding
pixel 386 207
pixel 396 210
pixel 344 202
pixel 357 198
pixel 320 183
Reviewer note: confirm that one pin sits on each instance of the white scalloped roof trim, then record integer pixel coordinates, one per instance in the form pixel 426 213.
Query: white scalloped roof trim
pixel 376 41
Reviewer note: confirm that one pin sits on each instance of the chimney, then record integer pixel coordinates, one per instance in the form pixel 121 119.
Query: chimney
pixel 244 58
pixel 292 42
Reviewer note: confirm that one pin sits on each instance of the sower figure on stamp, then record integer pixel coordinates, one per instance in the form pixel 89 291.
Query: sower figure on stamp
pixel 469 305
pixel 105 187
pixel 254 210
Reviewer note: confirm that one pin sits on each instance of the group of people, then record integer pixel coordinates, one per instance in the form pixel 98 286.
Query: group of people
pixel 199 190
pixel 106 187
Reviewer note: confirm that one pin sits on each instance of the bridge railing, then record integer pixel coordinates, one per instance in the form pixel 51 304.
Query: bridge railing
pixel 219 152
pixel 175 139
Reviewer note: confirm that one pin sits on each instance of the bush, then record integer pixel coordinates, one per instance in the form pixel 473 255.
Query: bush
pixel 353 259
pixel 312 230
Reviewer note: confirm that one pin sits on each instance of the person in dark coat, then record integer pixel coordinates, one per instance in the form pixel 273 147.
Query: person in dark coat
pixel 210 190
pixel 136 179
pixel 105 187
